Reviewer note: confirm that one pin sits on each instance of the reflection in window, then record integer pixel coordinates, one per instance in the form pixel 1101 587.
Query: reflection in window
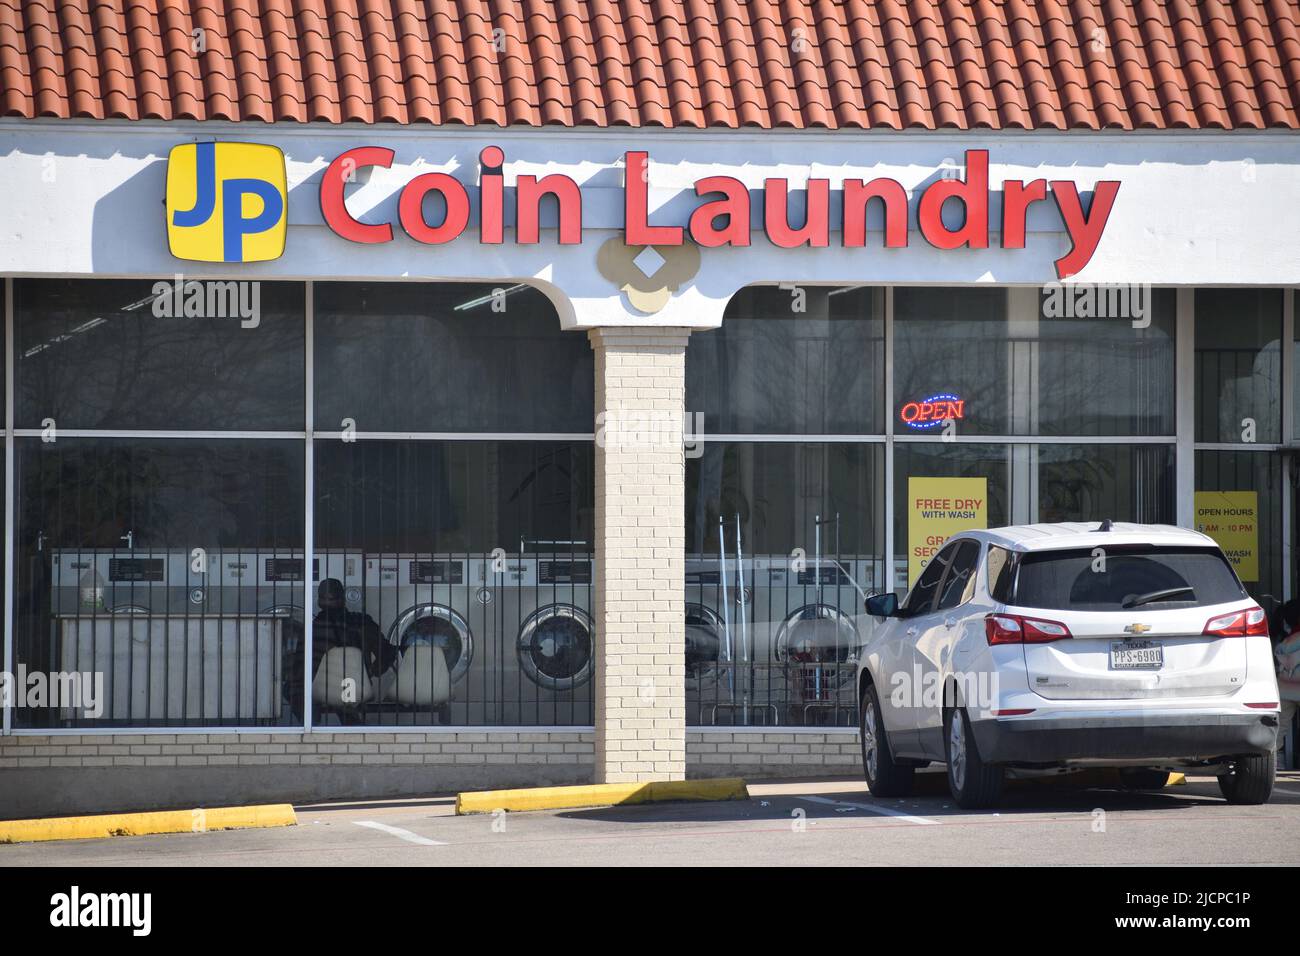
pixel 1238 365
pixel 1102 376
pixel 455 585
pixel 442 357
pixel 772 637
pixel 771 369
pixel 95 354
pixel 173 568
pixel 1095 482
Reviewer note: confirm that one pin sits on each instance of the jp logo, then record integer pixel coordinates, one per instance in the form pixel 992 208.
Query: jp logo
pixel 226 202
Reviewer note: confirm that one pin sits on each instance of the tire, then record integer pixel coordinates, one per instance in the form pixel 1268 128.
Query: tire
pixel 974 784
pixel 885 777
pixel 1142 778
pixel 1251 779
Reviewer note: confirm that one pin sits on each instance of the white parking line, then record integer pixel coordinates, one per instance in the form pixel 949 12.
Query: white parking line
pixel 398 832
pixel 870 808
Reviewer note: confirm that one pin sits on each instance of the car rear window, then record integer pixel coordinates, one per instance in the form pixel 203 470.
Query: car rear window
pixel 1124 579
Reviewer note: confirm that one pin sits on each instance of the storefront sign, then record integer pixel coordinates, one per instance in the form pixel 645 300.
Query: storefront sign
pixel 226 202
pixel 930 413
pixel 724 220
pixel 1231 518
pixel 938 508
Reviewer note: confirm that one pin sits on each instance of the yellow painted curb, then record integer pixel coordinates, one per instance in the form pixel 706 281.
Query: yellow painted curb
pixel 600 795
pixel 139 824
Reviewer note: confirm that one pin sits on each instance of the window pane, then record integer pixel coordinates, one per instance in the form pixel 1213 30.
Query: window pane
pixel 940 460
pixel 1238 364
pixel 447 357
pixel 957 342
pixel 1102 376
pixel 770 637
pixel 456 583
pixel 1095 482
pixel 960 575
pixel 98 354
pixel 772 370
pixel 1260 474
pixel 154 563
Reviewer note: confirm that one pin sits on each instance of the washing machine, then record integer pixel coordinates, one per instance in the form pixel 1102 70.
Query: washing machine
pixel 794 633
pixel 541 642
pixel 431 609
pixel 171 641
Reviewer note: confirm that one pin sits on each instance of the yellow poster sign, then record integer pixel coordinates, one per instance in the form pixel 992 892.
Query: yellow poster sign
pixel 938 508
pixel 1231 518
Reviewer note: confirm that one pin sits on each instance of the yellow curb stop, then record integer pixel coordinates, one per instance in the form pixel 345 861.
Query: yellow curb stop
pixel 139 824
pixel 600 795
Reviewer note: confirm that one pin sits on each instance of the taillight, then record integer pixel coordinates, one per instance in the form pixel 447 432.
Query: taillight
pixel 1017 629
pixel 1249 622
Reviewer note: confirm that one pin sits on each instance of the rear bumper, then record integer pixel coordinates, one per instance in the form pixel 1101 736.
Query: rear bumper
pixel 1183 737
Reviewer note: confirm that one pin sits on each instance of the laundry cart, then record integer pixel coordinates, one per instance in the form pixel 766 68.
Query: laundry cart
pixel 223 669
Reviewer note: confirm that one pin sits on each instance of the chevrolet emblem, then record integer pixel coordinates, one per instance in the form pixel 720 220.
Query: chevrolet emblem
pixel 1137 628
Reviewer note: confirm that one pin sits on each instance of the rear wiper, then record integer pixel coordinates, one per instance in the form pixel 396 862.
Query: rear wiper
pixel 1151 596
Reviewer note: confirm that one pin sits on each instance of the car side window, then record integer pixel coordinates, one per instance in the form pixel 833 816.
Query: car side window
pixel 921 598
pixel 1001 569
pixel 959 585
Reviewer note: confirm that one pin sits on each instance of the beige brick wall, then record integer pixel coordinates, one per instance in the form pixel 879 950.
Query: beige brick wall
pixel 772 753
pixel 485 747
pixel 640 559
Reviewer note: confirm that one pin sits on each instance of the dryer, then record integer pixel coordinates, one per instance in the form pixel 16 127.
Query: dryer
pixel 171 642
pixel 543 639
pixel 428 609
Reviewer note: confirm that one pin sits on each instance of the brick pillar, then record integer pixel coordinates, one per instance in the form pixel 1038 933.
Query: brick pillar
pixel 639 552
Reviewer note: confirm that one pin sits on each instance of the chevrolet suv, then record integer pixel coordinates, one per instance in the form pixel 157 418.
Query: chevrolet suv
pixel 1048 647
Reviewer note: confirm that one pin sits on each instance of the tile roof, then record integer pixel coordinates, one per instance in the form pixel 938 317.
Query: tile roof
pixel 864 64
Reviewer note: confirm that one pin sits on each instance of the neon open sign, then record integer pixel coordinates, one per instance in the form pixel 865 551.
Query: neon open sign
pixel 930 413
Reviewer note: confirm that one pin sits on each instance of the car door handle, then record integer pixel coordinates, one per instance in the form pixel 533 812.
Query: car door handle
pixel 911 632
pixel 950 622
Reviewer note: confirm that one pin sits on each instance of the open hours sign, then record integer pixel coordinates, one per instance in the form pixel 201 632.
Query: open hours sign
pixel 938 508
pixel 1231 518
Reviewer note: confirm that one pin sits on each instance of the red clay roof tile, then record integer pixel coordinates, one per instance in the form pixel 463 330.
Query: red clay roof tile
pixel 892 64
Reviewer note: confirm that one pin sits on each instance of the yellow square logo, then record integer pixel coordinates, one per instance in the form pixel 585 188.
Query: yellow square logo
pixel 226 202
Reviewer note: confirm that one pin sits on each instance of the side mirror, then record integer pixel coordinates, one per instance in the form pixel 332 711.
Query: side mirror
pixel 883 605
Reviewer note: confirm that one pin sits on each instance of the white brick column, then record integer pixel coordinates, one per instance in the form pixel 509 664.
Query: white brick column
pixel 639 553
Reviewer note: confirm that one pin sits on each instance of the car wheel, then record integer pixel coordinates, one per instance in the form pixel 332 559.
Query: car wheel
pixel 1142 778
pixel 1251 779
pixel 974 783
pixel 885 778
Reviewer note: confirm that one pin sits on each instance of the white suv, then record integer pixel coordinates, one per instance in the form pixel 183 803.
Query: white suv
pixel 1069 645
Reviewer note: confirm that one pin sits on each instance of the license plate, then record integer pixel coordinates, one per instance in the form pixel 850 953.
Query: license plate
pixel 1136 655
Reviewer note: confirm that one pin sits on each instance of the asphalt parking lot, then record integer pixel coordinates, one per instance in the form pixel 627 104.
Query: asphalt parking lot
pixel 830 822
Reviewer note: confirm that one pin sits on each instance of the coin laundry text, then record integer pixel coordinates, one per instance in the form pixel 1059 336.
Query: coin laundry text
pixel 723 219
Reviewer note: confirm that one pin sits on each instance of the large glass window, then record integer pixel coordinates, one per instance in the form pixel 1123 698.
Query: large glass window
pixel 140 354
pixel 957 342
pixel 925 499
pixel 455 576
pixel 1239 504
pixel 1108 374
pixel 783 544
pixel 1238 365
pixel 1095 482
pixel 152 565
pixel 800 360
pixel 448 357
